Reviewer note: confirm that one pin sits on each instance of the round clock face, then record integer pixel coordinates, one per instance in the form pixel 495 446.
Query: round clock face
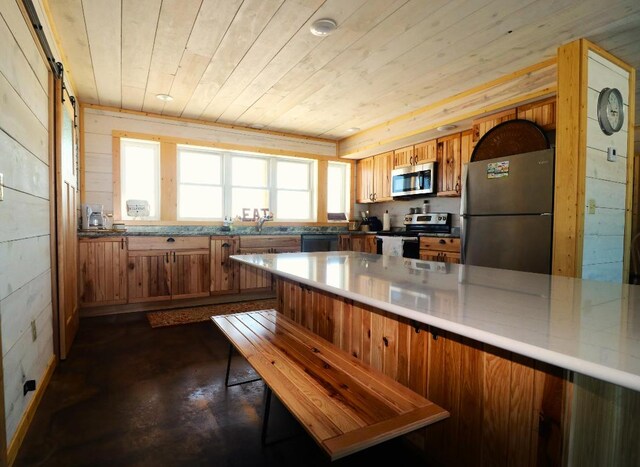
pixel 610 110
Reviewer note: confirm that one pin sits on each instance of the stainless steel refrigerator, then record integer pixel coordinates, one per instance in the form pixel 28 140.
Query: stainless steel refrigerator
pixel 507 212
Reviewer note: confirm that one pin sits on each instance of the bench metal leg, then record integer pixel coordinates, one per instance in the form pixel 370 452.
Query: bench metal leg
pixel 265 415
pixel 226 378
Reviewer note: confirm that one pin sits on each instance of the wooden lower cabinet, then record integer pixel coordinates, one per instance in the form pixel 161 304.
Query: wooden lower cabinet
pixel 505 409
pixel 225 274
pixel 256 280
pixel 364 243
pixel 102 266
pixel 446 250
pixel 166 268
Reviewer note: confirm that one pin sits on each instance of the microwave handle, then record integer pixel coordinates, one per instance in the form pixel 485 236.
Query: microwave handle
pixel 420 181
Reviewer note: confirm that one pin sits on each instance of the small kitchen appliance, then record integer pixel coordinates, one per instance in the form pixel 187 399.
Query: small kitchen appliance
pixel 93 217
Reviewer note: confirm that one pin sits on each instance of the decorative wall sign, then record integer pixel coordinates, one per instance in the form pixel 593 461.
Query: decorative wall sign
pixel 248 215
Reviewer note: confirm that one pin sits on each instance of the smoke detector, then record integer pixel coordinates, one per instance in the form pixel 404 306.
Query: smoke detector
pixel 323 27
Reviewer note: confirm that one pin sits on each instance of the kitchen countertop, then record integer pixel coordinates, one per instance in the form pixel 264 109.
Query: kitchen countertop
pixel 585 326
pixel 191 230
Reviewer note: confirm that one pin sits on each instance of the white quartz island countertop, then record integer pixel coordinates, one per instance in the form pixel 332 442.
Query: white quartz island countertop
pixel 584 326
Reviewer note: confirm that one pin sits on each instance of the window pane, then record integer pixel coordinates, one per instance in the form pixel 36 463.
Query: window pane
pixel 249 171
pixel 201 202
pixel 293 175
pixel 249 198
pixel 200 167
pixel 293 205
pixel 338 188
pixel 140 174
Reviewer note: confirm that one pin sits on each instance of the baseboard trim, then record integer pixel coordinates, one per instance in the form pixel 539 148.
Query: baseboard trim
pixel 27 418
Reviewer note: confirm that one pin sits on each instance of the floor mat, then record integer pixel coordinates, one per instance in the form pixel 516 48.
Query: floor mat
pixel 196 314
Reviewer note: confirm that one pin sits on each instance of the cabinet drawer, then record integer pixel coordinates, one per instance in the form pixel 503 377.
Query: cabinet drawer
pixel 440 244
pixel 168 243
pixel 270 241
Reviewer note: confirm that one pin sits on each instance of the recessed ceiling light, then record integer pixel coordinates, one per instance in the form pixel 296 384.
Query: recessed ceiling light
pixel 446 127
pixel 353 129
pixel 323 27
pixel 164 97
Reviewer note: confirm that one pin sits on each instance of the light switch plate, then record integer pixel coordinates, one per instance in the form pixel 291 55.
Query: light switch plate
pixel 1 187
pixel 611 154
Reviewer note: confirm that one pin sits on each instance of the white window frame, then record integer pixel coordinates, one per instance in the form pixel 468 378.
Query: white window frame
pixel 345 195
pixel 123 176
pixel 229 185
pixel 204 150
pixel 313 192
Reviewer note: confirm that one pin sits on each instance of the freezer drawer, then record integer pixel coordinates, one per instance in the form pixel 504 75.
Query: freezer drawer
pixel 521 243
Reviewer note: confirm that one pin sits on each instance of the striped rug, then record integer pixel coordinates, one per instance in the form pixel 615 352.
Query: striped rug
pixel 197 314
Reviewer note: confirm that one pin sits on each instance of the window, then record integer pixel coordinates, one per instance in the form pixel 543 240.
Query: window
pixel 140 175
pixel 213 184
pixel 293 190
pixel 338 174
pixel 200 187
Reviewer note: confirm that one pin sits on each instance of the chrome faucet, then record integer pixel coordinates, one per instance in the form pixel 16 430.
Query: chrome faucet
pixel 261 220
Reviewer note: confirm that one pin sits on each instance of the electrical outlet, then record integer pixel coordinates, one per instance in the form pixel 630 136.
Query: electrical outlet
pixel 1 187
pixel 34 331
pixel 611 154
pixel 592 206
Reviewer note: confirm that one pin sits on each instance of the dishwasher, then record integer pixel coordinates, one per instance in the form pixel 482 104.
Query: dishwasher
pixel 318 242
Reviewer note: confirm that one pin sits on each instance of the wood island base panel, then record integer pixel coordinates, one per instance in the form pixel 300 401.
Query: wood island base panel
pixel 533 369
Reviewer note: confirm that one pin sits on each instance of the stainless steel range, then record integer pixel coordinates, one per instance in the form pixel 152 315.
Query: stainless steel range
pixel 414 225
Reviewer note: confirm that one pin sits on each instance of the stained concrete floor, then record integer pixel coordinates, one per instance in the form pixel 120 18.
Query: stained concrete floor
pixel 129 395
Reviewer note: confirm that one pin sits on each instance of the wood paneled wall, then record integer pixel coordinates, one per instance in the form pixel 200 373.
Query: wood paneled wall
pixel 25 260
pixel 505 409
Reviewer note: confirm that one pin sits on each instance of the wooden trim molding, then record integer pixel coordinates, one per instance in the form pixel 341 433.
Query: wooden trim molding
pixel 220 145
pixel 629 227
pixel 208 123
pixel 168 182
pixel 83 173
pixel 27 418
pixel 117 202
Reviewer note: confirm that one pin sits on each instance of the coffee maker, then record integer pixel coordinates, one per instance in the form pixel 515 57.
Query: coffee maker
pixel 93 217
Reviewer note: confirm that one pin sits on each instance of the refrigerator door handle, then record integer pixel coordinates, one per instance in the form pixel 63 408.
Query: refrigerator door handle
pixel 463 213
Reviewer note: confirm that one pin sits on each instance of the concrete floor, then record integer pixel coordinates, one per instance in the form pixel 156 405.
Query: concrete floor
pixel 129 395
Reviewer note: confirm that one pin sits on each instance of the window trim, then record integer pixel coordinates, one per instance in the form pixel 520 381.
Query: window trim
pixel 158 175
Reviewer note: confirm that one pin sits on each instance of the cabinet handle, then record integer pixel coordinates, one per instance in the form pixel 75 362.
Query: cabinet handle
pixel 171 239
pixel 225 245
pixel 166 256
pixel 442 242
pixel 174 256
pixel 122 243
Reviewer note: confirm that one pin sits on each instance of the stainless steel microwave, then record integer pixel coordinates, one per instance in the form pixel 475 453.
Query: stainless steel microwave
pixel 414 180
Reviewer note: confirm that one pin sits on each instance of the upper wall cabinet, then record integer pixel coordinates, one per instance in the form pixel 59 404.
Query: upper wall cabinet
pixel 449 180
pixel 373 176
pixel 414 155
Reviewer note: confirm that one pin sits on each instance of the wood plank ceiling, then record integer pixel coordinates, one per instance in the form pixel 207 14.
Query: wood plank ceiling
pixel 255 63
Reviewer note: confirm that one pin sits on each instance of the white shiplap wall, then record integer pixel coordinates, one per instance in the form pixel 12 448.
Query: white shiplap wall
pixel 99 125
pixel 605 181
pixel 25 265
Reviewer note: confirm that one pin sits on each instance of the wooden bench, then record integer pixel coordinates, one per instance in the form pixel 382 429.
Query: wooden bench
pixel 344 404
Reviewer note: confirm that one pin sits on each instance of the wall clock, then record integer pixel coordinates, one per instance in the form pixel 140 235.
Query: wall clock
pixel 610 110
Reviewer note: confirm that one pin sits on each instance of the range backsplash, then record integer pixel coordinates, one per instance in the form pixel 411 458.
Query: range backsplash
pixel 398 208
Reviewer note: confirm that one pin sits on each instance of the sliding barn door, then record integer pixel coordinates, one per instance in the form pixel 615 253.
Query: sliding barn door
pixel 66 220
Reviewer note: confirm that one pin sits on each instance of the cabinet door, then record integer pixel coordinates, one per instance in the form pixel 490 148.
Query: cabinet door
pixel 344 242
pixel 371 244
pixel 190 273
pixel 403 157
pixel 254 279
pixel 382 167
pixel 449 166
pixel 358 243
pixel 364 181
pixel 149 275
pixel 224 271
pixel 103 271
pixel 466 147
pixel 440 256
pixel 426 152
pixel 543 113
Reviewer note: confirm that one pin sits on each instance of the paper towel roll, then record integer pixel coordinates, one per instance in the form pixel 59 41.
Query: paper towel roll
pixel 386 221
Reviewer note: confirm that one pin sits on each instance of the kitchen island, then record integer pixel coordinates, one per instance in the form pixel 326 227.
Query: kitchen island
pixel 533 368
